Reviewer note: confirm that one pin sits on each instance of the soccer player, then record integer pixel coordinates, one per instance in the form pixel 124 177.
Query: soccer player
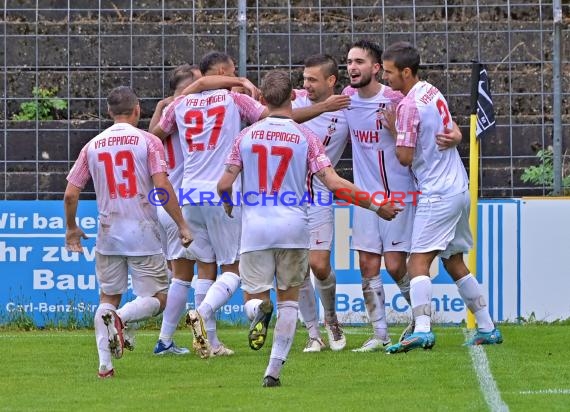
pixel 207 122
pixel 441 224
pixel 126 164
pixel 178 257
pixel 377 170
pixel 275 156
pixel 319 78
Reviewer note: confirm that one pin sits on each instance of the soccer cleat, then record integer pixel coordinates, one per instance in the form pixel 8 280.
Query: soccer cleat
pixel 337 340
pixel 408 330
pixel 373 344
pixel 259 325
pixel 416 340
pixel 161 349
pixel 221 351
pixel 114 333
pixel 129 337
pixel 200 343
pixel 270 382
pixel 314 345
pixel 486 338
pixel 104 373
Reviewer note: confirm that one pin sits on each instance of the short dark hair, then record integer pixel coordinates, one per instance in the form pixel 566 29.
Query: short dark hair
pixel 122 100
pixel 276 88
pixel 372 48
pixel 181 73
pixel 211 59
pixel 326 61
pixel 403 54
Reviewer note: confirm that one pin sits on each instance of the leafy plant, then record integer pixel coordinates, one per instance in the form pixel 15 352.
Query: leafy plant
pixel 44 107
pixel 543 174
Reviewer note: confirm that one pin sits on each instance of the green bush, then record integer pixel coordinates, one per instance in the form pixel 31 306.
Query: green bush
pixel 543 174
pixel 44 107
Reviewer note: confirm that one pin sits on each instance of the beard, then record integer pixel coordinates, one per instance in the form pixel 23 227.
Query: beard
pixel 365 80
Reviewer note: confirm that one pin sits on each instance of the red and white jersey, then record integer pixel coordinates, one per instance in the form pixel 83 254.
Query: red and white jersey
pixel 332 130
pixel 174 160
pixel 421 115
pixel 207 122
pixel 121 161
pixel 375 166
pixel 276 154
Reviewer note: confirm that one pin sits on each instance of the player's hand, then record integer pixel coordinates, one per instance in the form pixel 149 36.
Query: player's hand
pixel 185 236
pixel 251 89
pixel 388 210
pixel 337 102
pixel 228 209
pixel 448 139
pixel 388 120
pixel 73 239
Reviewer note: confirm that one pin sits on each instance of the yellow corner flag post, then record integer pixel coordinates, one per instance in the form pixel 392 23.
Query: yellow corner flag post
pixel 482 122
pixel 473 179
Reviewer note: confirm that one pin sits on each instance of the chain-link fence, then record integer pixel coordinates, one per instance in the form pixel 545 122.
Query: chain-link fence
pixel 81 49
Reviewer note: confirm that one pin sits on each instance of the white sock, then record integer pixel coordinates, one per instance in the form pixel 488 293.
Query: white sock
pixel 101 336
pixel 200 290
pixel 308 308
pixel 327 292
pixel 218 294
pixel 420 296
pixel 175 306
pixel 373 292
pixel 139 309
pixel 251 307
pixel 470 292
pixel 404 285
pixel 283 336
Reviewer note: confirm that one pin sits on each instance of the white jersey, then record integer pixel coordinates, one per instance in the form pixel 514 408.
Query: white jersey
pixel 121 160
pixel 421 115
pixel 276 154
pixel 332 130
pixel 207 123
pixel 375 166
pixel 174 160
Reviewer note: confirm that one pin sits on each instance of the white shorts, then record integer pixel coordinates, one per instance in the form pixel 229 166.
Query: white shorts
pixel 216 235
pixel 443 224
pixel 260 268
pixel 148 274
pixel 321 226
pixel 373 234
pixel 171 244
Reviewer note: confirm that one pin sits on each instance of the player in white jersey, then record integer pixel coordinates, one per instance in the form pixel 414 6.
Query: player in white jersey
pixel 377 171
pixel 207 122
pixel 126 164
pixel 275 156
pixel 319 78
pixel 441 224
pixel 179 259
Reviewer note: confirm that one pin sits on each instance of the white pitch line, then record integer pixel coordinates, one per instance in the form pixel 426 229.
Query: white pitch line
pixel 487 384
pixel 547 392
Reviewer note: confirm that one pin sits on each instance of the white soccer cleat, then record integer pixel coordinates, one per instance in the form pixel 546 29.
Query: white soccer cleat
pixel 374 344
pixel 196 324
pixel 114 333
pixel 314 345
pixel 221 351
pixel 337 340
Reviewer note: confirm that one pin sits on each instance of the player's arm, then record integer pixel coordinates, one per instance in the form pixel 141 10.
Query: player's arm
pixel 222 82
pixel 331 104
pixel 161 105
pixel 355 195
pixel 405 155
pixel 407 127
pixel 225 185
pixel 73 233
pixel 170 204
pixel 449 138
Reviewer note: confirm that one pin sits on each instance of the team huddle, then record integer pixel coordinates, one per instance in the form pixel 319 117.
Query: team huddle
pixel 403 140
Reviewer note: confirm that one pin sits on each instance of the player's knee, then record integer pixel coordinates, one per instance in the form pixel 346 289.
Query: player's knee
pixel 162 300
pixel 321 269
